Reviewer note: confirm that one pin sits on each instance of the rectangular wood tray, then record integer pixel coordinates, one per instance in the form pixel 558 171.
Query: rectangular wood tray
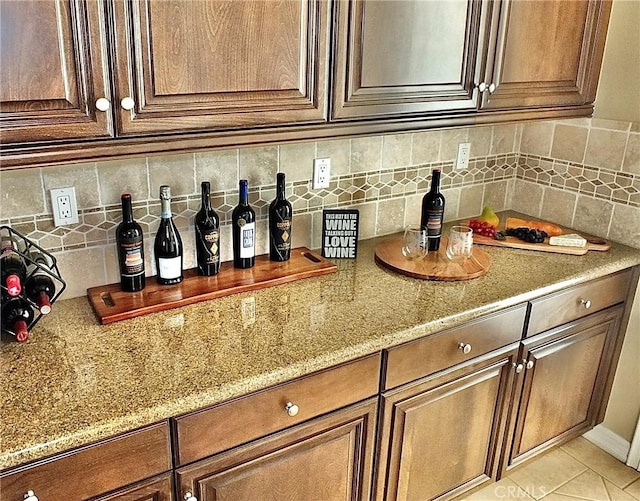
pixel 110 304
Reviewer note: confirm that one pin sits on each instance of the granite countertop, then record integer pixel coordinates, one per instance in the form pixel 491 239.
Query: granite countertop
pixel 75 381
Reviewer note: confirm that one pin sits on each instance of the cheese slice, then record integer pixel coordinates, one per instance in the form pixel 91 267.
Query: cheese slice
pixel 570 240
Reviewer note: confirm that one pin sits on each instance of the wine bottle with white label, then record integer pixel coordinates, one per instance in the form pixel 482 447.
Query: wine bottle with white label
pixel 207 227
pixel 243 222
pixel 168 244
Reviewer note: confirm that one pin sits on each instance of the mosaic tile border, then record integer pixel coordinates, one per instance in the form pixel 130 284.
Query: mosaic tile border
pixel 614 186
pixel 97 225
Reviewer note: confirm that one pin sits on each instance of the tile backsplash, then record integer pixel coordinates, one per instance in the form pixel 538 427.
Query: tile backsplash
pixel 583 173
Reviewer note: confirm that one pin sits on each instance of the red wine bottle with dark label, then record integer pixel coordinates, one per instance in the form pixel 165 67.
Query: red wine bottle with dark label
pixel 280 215
pixel 129 240
pixel 40 288
pixel 17 315
pixel 243 222
pixel 12 267
pixel 207 227
pixel 168 244
pixel 433 212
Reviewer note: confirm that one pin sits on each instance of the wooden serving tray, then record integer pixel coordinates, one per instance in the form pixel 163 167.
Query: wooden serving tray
pixel 435 266
pixel 515 243
pixel 110 304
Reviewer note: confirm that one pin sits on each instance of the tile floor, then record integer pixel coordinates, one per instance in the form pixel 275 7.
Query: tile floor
pixel 576 471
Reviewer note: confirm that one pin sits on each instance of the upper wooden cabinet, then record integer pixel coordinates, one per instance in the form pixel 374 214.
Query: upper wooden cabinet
pixel 146 76
pixel 178 66
pixel 412 57
pixel 219 64
pixel 409 57
pixel 53 71
pixel 547 53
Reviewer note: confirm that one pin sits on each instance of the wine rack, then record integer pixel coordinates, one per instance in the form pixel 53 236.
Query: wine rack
pixel 26 248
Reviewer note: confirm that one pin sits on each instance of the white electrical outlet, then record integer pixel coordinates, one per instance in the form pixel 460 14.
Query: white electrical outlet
pixel 462 160
pixel 65 208
pixel 321 173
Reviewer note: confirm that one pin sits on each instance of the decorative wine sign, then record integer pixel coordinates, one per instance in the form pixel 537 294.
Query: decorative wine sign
pixel 340 233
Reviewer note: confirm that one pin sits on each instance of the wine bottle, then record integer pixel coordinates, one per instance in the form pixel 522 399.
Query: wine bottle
pixel 12 267
pixel 40 288
pixel 168 244
pixel 207 227
pixel 280 214
pixel 129 240
pixel 17 315
pixel 243 222
pixel 433 212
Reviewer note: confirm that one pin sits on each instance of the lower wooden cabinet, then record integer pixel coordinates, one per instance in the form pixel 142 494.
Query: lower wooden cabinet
pixel 328 458
pixel 441 435
pixel 561 393
pixel 156 489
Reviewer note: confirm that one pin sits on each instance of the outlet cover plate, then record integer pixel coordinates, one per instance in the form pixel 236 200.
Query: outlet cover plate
pixel 321 173
pixel 462 160
pixel 64 206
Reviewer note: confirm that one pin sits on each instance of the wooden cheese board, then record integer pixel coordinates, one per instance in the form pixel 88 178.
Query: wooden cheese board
pixel 593 244
pixel 435 266
pixel 110 304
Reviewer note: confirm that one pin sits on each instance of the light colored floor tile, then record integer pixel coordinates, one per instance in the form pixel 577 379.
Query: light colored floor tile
pixel 616 493
pixel 634 489
pixel 554 496
pixel 504 490
pixel 601 462
pixel 587 485
pixel 547 473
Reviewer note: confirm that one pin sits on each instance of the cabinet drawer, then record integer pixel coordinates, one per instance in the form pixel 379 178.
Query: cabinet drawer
pixel 433 353
pixel 203 433
pixel 93 470
pixel 577 302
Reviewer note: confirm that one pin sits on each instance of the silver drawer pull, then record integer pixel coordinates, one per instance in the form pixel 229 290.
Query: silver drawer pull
pixel 291 408
pixel 482 86
pixel 586 303
pixel 492 88
pixel 464 348
pixel 518 367
pixel 528 364
pixel 30 496
pixel 190 497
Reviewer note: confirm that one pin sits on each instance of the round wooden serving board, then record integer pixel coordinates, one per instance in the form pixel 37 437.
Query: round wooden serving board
pixel 436 266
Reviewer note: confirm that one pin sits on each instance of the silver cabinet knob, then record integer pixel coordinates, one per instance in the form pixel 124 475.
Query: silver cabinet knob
pixel 464 348
pixel 103 104
pixel 492 88
pixel 528 363
pixel 190 497
pixel 586 303
pixel 482 86
pixel 127 103
pixel 518 367
pixel 292 409
pixel 30 496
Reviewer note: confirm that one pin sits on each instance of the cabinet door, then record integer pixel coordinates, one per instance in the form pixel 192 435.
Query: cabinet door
pixel 440 435
pixel 52 70
pixel 156 489
pixel 402 58
pixel 564 383
pixel 327 458
pixel 548 53
pixel 213 64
